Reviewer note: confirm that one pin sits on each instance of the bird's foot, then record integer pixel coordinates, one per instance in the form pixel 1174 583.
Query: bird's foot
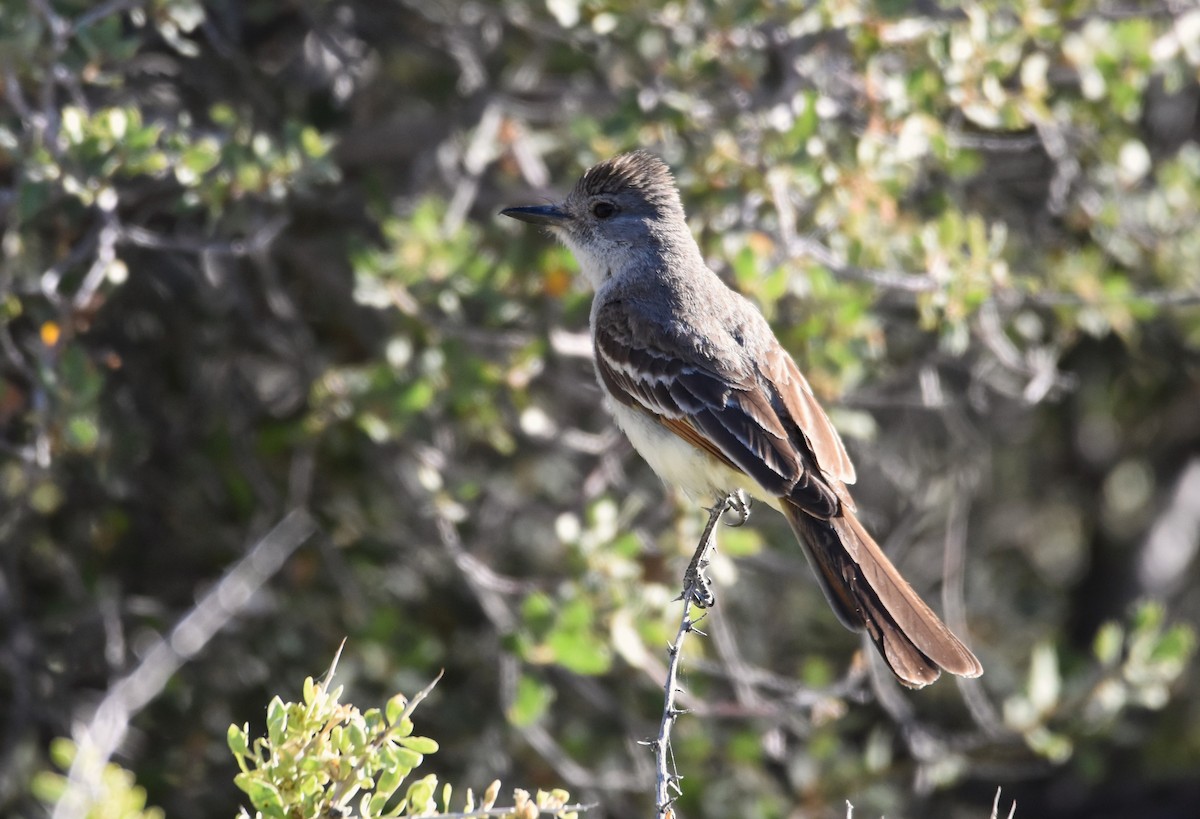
pixel 737 508
pixel 697 588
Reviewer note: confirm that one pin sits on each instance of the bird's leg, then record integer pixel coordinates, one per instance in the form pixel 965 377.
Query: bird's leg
pixel 737 503
pixel 696 586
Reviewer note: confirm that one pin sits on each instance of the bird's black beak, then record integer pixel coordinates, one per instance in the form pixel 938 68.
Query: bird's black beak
pixel 551 215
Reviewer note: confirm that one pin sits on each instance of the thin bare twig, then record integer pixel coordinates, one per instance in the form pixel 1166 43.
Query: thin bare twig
pixel 697 591
pixel 262 238
pixel 99 739
pixel 105 256
pixel 996 807
pixel 1154 298
pixel 954 559
pixel 897 280
pixel 510 811
pixel 791 693
pixel 352 782
pixel 100 12
pixel 912 283
pixel 1166 557
pixel 475 160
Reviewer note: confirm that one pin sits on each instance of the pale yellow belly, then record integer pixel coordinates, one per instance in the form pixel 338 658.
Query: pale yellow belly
pixel 679 463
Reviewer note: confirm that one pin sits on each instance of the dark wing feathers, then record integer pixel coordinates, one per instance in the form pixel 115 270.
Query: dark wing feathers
pixel 799 404
pixel 740 418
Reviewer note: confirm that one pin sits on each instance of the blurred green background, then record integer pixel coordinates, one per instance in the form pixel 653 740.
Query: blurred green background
pixel 251 263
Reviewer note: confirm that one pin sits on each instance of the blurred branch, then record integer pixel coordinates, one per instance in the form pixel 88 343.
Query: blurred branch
pixel 738 671
pixel 46 123
pixel 1172 544
pixel 101 11
pixel 794 693
pixel 1115 11
pixel 1037 367
pixel 511 811
pixel 105 257
pixel 954 562
pixel 571 345
pixel 995 143
pixel 896 280
pixel 1157 298
pixel 258 241
pixel 475 160
pixel 1067 168
pixel 902 281
pixel 488 586
pixel 576 775
pixel 14 94
pixel 924 746
pixel 100 738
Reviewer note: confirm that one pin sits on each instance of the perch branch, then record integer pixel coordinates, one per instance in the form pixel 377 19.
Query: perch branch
pixel 697 590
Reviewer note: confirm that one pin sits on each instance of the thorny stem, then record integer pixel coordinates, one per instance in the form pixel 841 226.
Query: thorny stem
pixel 696 590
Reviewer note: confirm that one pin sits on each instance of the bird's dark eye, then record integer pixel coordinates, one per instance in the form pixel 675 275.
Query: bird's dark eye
pixel 603 210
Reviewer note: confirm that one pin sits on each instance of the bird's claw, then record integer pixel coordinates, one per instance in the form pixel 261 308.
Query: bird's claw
pixel 737 508
pixel 697 587
pixel 700 592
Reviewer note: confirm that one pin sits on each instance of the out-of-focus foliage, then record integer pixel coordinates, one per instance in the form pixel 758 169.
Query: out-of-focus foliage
pixel 250 262
pixel 1134 669
pixel 119 797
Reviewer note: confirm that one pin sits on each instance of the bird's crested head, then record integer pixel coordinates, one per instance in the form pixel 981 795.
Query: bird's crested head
pixel 635 175
pixel 623 213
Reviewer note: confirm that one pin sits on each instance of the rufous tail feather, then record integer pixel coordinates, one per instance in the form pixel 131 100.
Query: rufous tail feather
pixel 868 594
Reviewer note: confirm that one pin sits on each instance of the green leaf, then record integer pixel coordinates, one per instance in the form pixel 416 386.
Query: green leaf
pixel 1176 646
pixel 1053 746
pixel 532 699
pixel 263 795
pixel 395 708
pixel 48 787
pixel 416 397
pixel 200 157
pixel 537 611
pixel 1149 616
pixel 376 804
pixel 32 197
pixel 422 745
pixel 407 759
pixel 581 653
pixel 1045 682
pixel 1108 643
pixel 236 739
pixel 389 781
pixel 314 145
pixel 373 720
pixel 356 737
pixel 574 641
pixel 276 721
pixel 420 794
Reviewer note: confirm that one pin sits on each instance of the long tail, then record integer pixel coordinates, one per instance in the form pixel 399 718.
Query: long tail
pixel 868 593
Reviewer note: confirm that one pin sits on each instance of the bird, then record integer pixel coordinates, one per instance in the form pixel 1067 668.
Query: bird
pixel 698 382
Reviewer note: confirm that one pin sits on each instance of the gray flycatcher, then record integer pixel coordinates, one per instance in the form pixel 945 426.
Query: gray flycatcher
pixel 698 382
